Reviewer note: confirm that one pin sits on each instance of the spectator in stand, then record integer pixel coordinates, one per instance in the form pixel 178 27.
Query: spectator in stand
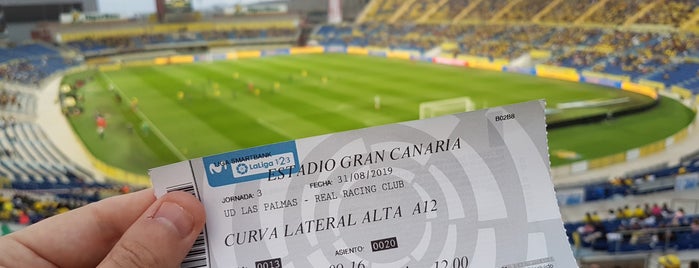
pixel 648 221
pixel 646 209
pixel 628 213
pixel 620 213
pixel 669 261
pixel 656 211
pixel 667 212
pixel 694 226
pixel 639 212
pixel 590 232
pixel 678 218
pixel 592 218
pixel 587 218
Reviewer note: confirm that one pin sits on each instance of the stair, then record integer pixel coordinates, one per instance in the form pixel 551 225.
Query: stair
pixel 466 10
pixel 432 11
pixel 362 15
pixel 589 12
pixel 692 21
pixel 633 19
pixel 546 10
pixel 504 10
pixel 401 10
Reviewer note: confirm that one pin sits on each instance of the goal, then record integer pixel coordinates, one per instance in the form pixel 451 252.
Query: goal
pixel 447 106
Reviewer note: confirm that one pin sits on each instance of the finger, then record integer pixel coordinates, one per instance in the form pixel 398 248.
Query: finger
pixel 162 236
pixel 63 240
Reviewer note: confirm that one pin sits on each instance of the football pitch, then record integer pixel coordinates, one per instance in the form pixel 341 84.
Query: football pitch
pixel 165 113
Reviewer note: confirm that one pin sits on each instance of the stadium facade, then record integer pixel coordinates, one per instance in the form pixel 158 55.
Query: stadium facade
pixel 44 10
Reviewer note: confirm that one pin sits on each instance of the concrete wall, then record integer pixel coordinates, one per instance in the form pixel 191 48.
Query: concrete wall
pixel 350 8
pixel 19 32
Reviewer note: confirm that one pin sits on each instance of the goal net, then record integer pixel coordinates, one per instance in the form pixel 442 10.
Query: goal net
pixel 447 106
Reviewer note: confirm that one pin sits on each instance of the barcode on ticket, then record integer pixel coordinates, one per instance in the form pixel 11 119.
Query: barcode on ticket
pixel 196 257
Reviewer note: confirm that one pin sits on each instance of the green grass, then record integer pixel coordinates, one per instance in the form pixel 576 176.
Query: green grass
pixel 203 124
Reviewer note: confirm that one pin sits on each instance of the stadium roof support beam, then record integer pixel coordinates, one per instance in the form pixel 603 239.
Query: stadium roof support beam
pixel 466 10
pixel 504 10
pixel 432 11
pixel 589 12
pixel 633 19
pixel 692 21
pixel 546 10
pixel 401 10
pixel 362 15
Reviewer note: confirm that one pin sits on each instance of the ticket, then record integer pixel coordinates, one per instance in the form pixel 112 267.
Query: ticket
pixel 464 190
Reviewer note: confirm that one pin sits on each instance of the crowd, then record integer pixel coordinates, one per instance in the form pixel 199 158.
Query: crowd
pixel 9 99
pixel 648 225
pixel 131 43
pixel 619 51
pixel 21 71
pixel 578 58
pixel 27 208
pixel 613 12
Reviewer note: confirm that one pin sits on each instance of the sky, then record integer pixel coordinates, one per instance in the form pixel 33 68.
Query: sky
pixel 130 7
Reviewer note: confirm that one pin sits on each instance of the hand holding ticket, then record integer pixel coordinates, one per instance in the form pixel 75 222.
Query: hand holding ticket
pixel 465 190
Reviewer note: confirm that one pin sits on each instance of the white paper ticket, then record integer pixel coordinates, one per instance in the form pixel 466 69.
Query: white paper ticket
pixel 465 190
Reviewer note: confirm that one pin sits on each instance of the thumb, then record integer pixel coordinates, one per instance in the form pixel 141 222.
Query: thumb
pixel 162 236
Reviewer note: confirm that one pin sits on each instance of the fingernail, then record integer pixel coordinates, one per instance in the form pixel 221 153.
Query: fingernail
pixel 175 216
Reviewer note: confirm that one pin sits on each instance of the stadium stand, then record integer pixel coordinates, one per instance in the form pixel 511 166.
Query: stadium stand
pixel 17 102
pixel 634 53
pixel 578 59
pixel 112 45
pixel 637 229
pixel 656 180
pixel 30 161
pixel 29 64
pixel 113 37
pixel 21 207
